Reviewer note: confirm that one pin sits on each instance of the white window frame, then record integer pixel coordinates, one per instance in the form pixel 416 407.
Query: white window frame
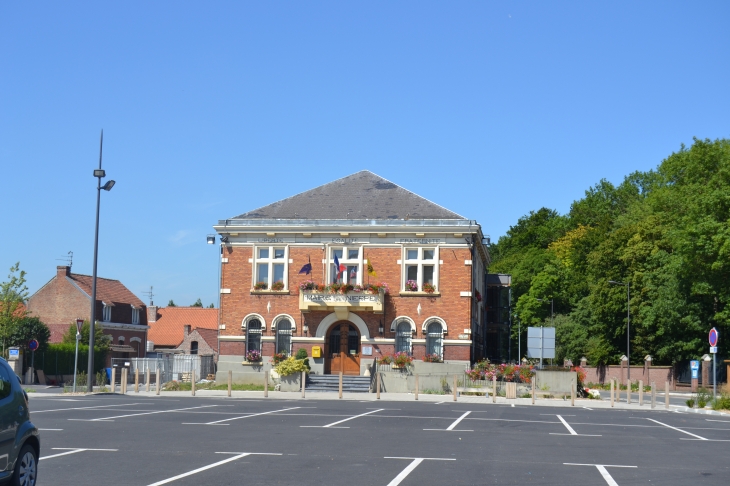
pixel 135 315
pixel 420 262
pixel 271 261
pixel 345 261
pixel 106 313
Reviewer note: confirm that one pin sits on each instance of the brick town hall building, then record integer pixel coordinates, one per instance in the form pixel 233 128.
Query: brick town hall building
pixel 411 277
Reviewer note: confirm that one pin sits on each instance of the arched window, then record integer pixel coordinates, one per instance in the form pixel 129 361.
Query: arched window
pixel 403 337
pixel 283 336
pixel 193 347
pixel 253 335
pixel 435 339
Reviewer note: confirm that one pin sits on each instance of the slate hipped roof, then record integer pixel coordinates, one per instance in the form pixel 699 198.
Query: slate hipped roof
pixel 362 195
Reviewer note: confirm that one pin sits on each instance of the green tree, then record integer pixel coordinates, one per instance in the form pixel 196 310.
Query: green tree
pixel 101 340
pixel 198 303
pixel 13 293
pixel 23 330
pixel 171 303
pixel 211 306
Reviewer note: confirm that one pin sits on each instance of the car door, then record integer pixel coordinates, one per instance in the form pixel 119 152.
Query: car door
pixel 8 415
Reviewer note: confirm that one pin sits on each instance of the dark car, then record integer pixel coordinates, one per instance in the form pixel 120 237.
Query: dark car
pixel 20 442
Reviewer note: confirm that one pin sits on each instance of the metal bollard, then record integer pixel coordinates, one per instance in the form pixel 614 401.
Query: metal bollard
pixel 266 384
pixel 157 382
pixel 377 385
pixel 304 382
pixel 611 393
pixel 641 392
pixel 114 380
pixel 136 380
pixel 456 382
pixel 192 382
pixel 653 395
pixel 416 387
pixel 340 388
pixel 494 389
pixel 147 380
pixel 572 393
pixel 533 389
pixel 666 395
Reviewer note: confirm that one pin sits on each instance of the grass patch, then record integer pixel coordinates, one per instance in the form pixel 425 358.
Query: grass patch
pixel 179 386
pixel 29 390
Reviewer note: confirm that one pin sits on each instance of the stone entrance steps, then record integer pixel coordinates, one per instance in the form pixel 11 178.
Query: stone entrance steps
pixel 331 383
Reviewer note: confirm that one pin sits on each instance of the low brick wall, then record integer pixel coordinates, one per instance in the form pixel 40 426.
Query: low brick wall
pixel 657 374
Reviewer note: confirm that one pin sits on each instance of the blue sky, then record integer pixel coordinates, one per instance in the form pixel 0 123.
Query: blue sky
pixel 210 109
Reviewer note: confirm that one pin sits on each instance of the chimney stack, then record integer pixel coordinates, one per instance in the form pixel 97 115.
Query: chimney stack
pixel 186 329
pixel 63 271
pixel 152 313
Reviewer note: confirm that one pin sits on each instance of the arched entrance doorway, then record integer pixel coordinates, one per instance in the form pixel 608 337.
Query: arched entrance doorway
pixel 342 349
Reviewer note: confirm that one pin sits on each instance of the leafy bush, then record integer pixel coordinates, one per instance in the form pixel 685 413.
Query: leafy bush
pixel 402 359
pixel 385 360
pixel 290 366
pixel 690 403
pixel 722 402
pixel 301 353
pixel 253 356
pixel 279 357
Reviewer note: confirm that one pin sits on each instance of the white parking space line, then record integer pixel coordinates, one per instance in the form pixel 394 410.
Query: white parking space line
pixel 415 461
pixel 341 421
pixel 72 451
pixel 85 408
pixel 51 430
pixel 217 422
pixel 601 469
pixel 450 428
pixel 723 421
pixel 210 466
pixel 111 419
pixel 678 430
pixel 570 429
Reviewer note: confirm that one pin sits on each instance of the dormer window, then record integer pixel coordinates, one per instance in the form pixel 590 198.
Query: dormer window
pixel 135 315
pixel 106 314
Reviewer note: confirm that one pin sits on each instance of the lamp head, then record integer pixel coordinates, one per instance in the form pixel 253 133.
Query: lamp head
pixel 224 239
pixel 99 173
pixel 108 186
pixel 210 239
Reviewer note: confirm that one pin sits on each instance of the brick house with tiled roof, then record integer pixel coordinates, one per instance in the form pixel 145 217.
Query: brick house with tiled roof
pixel 354 234
pixel 170 327
pixel 66 297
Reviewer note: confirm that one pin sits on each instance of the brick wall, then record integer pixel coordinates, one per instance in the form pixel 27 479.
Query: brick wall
pixel 59 302
pixel 604 374
pixel 204 348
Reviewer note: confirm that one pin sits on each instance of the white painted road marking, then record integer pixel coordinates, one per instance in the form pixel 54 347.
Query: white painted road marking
pixel 86 408
pixel 72 451
pixel 570 429
pixel 678 430
pixel 602 469
pixel 450 428
pixel 217 422
pixel 340 421
pixel 103 419
pixel 210 466
pixel 415 461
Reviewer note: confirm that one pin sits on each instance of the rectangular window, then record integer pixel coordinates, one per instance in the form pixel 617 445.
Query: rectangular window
pixel 420 266
pixel 350 265
pixel 270 268
pixel 106 313
pixel 135 315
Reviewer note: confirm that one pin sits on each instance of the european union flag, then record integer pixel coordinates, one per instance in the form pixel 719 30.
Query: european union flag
pixel 307 268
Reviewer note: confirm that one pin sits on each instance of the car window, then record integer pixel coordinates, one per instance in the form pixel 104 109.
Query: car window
pixel 6 386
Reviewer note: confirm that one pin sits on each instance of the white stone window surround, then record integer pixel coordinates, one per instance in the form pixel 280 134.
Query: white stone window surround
pixel 270 261
pixel 250 317
pixel 244 326
pixel 106 313
pixel 394 324
pixel 419 262
pixel 429 320
pixel 278 318
pixel 345 260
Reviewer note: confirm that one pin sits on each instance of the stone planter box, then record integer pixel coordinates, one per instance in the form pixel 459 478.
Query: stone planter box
pixel 555 382
pixel 290 383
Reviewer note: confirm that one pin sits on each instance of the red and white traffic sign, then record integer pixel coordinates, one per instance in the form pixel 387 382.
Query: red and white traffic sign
pixel 79 325
pixel 713 337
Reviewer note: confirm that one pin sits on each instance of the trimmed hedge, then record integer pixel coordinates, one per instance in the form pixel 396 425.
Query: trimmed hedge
pixel 58 359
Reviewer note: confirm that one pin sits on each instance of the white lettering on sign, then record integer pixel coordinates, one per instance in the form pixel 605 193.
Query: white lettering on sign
pixel 271 240
pixel 344 240
pixel 421 241
pixel 341 298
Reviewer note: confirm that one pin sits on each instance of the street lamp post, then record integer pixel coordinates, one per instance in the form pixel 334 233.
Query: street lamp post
pixel 628 326
pixel 99 174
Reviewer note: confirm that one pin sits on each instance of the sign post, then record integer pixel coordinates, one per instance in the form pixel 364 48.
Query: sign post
pixel 32 345
pixel 79 324
pixel 694 366
pixel 714 337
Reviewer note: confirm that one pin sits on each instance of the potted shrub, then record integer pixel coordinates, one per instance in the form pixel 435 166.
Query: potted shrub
pixel 411 286
pixel 308 285
pixel 279 357
pixel 385 360
pixel 260 286
pixel 402 360
pixel 278 286
pixel 432 358
pixel 429 288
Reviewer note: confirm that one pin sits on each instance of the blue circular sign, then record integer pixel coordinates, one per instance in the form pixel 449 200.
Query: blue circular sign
pixel 713 337
pixel 33 345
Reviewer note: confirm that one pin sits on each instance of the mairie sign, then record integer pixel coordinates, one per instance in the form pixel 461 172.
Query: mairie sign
pixel 310 301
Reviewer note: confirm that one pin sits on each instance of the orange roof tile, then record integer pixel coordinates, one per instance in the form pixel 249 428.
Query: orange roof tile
pixel 168 329
pixel 107 290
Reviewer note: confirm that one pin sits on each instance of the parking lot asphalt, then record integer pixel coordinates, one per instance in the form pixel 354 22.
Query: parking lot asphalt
pixel 150 440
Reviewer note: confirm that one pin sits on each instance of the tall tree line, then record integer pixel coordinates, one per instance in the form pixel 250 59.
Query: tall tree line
pixel 665 232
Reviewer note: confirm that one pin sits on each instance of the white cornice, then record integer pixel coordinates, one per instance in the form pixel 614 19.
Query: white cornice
pixel 120 325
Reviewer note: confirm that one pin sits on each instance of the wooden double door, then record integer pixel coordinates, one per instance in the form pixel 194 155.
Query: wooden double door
pixel 342 349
